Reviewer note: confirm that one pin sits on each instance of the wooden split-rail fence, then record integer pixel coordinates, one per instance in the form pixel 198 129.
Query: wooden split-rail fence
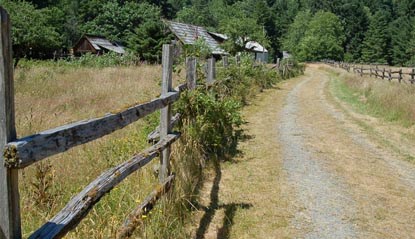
pixel 23 152
pixel 402 75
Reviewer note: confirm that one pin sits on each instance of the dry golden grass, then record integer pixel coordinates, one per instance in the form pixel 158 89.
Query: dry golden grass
pixel 47 97
pixel 391 100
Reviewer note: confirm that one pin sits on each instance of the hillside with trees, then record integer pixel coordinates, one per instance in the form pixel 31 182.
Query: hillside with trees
pixel 372 31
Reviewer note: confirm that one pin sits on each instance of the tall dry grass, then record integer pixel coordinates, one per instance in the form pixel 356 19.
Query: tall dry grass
pixel 390 100
pixel 47 97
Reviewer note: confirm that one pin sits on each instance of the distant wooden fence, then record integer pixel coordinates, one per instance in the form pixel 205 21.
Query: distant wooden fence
pixel 20 153
pixel 402 75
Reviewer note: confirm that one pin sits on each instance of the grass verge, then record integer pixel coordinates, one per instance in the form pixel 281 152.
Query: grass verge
pixel 390 101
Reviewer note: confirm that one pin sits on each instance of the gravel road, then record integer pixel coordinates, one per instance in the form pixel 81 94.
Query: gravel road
pixel 327 204
pixel 312 167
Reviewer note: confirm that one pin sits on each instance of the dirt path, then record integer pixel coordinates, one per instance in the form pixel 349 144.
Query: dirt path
pixel 309 170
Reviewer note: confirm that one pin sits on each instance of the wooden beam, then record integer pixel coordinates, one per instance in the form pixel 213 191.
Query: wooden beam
pixel 79 206
pixel 10 224
pixel 28 150
pixel 135 218
pixel 165 114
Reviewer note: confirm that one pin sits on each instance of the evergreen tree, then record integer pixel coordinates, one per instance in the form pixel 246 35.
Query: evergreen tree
pixel 410 51
pixel 355 20
pixel 400 30
pixel 376 39
pixel 148 39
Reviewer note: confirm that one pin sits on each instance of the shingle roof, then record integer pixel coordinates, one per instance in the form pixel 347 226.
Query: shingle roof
pixel 188 34
pixel 101 42
pixel 255 46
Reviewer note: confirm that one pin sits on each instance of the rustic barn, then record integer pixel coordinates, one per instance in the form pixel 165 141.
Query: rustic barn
pixel 96 45
pixel 188 35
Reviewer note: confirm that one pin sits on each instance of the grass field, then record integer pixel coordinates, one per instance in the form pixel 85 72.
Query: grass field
pixel 47 97
pixel 389 100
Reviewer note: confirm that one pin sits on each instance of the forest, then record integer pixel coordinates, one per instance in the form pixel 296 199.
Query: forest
pixel 367 31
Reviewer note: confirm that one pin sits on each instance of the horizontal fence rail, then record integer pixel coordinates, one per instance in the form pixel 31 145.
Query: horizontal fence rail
pixel 82 203
pixel 402 75
pixel 26 151
pixel 20 153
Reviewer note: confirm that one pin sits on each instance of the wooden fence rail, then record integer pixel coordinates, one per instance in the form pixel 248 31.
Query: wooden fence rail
pixel 20 153
pixel 374 71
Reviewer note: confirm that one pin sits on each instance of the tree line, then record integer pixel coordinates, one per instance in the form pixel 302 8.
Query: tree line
pixel 372 31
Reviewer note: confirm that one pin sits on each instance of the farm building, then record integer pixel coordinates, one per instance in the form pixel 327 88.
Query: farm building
pixel 96 45
pixel 188 35
pixel 259 52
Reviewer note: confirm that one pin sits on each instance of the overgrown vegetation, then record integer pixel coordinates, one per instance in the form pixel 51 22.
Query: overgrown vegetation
pixel 50 95
pixel 388 100
pixel 110 59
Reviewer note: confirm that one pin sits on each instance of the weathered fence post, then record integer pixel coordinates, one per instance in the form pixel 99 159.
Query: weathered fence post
pixel 400 76
pixel 211 71
pixel 225 62
pixel 165 116
pixel 383 73
pixel 370 71
pixel 390 75
pixel 9 192
pixel 191 75
pixel 413 76
pixel 361 71
pixel 238 60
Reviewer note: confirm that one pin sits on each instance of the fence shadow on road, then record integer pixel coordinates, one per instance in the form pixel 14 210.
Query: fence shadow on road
pixel 230 209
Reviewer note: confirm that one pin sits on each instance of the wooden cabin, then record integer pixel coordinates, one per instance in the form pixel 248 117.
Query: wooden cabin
pixel 187 34
pixel 96 45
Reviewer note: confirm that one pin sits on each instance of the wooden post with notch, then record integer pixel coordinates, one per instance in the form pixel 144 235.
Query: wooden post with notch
pixel 191 75
pixel 225 61
pixel 413 76
pixel 211 71
pixel 10 225
pixel 165 116
pixel 390 75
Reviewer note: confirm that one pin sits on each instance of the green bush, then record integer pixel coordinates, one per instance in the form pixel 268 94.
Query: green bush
pixel 210 121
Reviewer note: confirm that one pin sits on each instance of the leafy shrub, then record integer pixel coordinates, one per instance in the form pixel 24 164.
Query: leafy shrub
pixel 210 121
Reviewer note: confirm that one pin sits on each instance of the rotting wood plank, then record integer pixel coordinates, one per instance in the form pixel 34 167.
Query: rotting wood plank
pixel 28 150
pixel 154 136
pixel 79 206
pixel 135 217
